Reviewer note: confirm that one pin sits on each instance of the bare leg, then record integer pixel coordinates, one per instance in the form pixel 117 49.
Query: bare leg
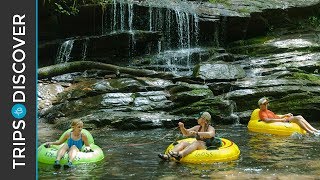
pixel 180 146
pixel 62 151
pixel 73 152
pixel 192 147
pixel 306 123
pixel 176 149
pixel 301 124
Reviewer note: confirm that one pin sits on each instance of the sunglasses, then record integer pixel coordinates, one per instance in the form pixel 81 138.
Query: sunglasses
pixel 265 103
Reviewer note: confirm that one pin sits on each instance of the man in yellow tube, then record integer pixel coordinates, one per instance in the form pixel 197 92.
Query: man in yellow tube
pixel 268 116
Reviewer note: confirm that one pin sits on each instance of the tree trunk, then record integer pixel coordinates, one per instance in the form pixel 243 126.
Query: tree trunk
pixel 63 68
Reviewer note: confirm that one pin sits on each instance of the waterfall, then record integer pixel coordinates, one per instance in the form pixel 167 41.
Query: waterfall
pixel 196 29
pixel 234 116
pixel 178 23
pixel 159 47
pixel 122 13
pixel 159 20
pixel 187 30
pixel 84 49
pixel 130 25
pixel 182 19
pixel 168 28
pixel 130 14
pixel 150 18
pixel 186 23
pixel 64 52
pixel 114 22
pixel 121 19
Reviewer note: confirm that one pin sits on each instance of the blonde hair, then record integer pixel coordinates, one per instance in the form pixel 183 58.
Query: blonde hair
pixel 75 122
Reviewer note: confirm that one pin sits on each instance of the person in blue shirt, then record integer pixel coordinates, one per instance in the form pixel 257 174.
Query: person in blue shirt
pixel 75 140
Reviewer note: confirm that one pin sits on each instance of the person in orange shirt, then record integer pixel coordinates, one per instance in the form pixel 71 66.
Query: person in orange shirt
pixel 268 116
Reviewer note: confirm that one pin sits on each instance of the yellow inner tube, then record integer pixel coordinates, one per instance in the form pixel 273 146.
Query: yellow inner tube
pixel 278 128
pixel 227 152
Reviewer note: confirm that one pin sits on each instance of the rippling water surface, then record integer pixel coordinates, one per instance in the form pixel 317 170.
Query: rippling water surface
pixel 133 155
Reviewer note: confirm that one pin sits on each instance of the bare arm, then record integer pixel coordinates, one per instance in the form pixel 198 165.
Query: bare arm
pixel 86 142
pixel 60 141
pixel 209 134
pixel 274 120
pixel 286 115
pixel 187 132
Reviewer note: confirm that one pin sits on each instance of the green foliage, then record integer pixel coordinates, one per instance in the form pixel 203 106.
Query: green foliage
pixel 71 7
pixel 68 7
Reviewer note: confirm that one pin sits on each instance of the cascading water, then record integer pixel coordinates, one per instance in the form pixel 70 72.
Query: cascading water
pixel 64 52
pixel 168 28
pixel 122 16
pixel 180 35
pixel 175 22
pixel 178 23
pixel 122 20
pixel 182 19
pixel 84 49
pixel 114 20
pixel 66 48
pixel 130 24
pixel 130 16
pixel 234 116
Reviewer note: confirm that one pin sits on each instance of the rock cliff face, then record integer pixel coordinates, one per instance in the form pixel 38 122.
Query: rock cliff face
pixel 235 19
pixel 225 57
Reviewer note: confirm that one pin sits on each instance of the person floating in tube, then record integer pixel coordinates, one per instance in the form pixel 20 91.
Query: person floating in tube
pixel 204 133
pixel 75 140
pixel 268 116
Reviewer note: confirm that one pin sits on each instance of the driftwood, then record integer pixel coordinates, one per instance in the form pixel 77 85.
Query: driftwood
pixel 69 67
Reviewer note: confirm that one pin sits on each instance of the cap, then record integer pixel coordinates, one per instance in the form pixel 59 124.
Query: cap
pixel 262 100
pixel 206 116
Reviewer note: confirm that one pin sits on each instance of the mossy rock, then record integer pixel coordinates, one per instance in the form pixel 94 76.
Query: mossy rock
pixel 304 76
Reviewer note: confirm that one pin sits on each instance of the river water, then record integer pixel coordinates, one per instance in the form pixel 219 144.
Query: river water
pixel 133 155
